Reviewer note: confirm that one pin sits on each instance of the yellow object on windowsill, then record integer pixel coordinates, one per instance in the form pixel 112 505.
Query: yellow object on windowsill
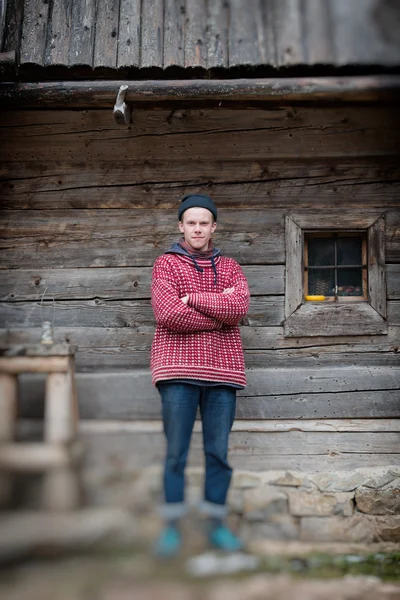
pixel 315 298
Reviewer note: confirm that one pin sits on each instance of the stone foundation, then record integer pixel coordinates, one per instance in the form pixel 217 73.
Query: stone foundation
pixel 359 506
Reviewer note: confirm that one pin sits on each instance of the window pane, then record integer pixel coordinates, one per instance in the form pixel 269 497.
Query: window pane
pixel 349 251
pixel 321 282
pixel 321 251
pixel 349 282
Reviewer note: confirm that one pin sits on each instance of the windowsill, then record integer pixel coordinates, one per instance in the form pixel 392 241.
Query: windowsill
pixel 334 319
pixel 341 299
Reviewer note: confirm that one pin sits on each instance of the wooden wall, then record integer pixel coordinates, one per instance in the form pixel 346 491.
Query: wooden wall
pixel 87 206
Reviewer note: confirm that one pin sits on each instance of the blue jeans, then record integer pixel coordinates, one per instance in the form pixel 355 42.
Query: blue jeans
pixel 217 409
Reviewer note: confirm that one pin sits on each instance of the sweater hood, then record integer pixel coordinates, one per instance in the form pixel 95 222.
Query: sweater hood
pixel 176 248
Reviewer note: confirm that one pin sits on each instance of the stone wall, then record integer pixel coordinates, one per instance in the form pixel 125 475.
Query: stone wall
pixel 362 505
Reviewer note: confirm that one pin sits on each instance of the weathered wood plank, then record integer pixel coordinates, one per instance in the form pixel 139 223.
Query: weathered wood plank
pixel 115 349
pixel 253 425
pixel 376 40
pixel 288 132
pixel 82 33
pixel 393 312
pixel 151 122
pixel 13 25
pixel 34 30
pixel 317 32
pixel 3 12
pixel 128 54
pixel 152 32
pixel 393 281
pixel 101 94
pixel 129 283
pixel 143 184
pixel 132 392
pixel 174 27
pixel 246 34
pixel 264 310
pixel 300 450
pixel 376 266
pixel 288 32
pixel 335 319
pixel 95 392
pixel 195 34
pixel 129 238
pixel 293 269
pixel 59 35
pixel 106 37
pixel 378 137
pixel 217 34
pixel 264 339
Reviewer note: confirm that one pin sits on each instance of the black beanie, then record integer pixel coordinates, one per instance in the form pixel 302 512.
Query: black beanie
pixel 199 201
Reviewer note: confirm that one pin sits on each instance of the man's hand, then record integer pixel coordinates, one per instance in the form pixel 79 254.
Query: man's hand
pixel 228 290
pixel 185 299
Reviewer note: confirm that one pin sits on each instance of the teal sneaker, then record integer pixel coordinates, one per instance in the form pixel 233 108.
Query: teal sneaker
pixel 223 538
pixel 169 542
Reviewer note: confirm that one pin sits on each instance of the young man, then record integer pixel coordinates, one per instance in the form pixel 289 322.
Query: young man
pixel 198 298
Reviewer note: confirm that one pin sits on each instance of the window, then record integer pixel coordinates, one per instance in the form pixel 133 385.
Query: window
pixel 335 274
pixel 335 266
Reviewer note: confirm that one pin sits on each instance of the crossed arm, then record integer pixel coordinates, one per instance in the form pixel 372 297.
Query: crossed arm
pixel 203 311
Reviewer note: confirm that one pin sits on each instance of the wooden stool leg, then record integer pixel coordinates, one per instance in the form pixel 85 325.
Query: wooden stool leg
pixel 8 417
pixel 60 486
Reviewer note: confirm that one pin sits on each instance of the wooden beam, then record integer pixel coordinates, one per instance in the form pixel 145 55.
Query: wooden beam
pixel 33 364
pixel 102 94
pixel 251 425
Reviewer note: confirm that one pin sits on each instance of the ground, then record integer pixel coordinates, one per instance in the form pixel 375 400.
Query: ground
pixel 275 571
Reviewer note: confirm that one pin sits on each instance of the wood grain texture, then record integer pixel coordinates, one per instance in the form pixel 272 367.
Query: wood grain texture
pixel 129 283
pixel 263 311
pixel 233 183
pixel 174 33
pixel 250 136
pixel 129 37
pixel 60 33
pixel 195 34
pixel 294 266
pixel 336 319
pixel 152 34
pixel 376 266
pixel 368 89
pixel 268 341
pixel 246 33
pixel 289 36
pixel 129 238
pixel 106 35
pixel 318 32
pixel 134 389
pixel 294 450
pixel 34 31
pixel 83 28
pixel 217 33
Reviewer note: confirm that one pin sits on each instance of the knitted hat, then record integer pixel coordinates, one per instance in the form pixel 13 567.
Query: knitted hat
pixel 199 201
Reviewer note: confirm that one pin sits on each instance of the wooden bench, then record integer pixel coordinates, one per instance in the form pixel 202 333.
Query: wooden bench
pixel 57 456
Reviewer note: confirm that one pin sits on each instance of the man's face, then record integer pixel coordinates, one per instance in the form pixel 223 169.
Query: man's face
pixel 197 226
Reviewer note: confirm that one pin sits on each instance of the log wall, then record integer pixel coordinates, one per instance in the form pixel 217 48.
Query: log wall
pixel 87 206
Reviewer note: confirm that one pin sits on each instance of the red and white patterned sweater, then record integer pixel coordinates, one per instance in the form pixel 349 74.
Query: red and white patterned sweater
pixel 200 340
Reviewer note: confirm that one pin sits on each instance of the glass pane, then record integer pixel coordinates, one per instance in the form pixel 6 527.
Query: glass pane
pixel 321 282
pixel 349 251
pixel 349 282
pixel 321 252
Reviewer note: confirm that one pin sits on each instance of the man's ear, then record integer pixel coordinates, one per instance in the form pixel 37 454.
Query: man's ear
pixel 214 227
pixel 180 225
